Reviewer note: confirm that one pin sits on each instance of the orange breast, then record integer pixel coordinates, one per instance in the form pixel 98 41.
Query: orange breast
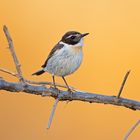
pixel 77 49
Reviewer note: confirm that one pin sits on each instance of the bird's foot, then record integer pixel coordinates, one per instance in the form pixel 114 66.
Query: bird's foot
pixel 55 88
pixel 70 91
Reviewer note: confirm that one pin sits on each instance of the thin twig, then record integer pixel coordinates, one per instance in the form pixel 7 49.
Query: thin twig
pixel 34 82
pixel 50 83
pixel 37 83
pixel 52 113
pixel 122 85
pixel 131 130
pixel 9 72
pixel 12 50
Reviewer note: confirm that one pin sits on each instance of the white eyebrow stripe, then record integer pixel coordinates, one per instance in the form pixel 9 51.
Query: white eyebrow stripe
pixel 72 35
pixel 69 36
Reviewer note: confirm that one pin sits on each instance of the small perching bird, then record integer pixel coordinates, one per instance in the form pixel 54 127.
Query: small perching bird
pixel 66 56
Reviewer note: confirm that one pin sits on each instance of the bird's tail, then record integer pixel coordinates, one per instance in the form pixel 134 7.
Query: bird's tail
pixel 39 72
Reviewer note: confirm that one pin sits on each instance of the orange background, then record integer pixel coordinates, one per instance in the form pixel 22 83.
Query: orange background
pixel 112 48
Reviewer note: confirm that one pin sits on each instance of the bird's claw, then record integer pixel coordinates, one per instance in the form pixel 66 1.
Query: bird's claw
pixel 55 88
pixel 70 91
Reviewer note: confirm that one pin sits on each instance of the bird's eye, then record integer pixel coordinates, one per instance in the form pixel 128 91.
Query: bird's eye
pixel 72 37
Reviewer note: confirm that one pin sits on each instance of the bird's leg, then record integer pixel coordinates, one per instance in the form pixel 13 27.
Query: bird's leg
pixel 67 85
pixel 53 81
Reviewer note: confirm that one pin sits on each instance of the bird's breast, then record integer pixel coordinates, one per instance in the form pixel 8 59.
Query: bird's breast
pixel 65 61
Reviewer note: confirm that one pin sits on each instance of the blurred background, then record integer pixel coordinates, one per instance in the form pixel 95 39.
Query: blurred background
pixel 112 48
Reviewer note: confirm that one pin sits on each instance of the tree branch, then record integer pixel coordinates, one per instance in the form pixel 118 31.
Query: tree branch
pixel 50 83
pixel 34 82
pixel 9 72
pixel 12 50
pixel 52 113
pixel 131 130
pixel 64 95
pixel 123 83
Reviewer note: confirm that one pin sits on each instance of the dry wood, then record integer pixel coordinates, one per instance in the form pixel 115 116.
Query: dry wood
pixel 64 95
pixel 36 83
pixel 123 83
pixel 9 72
pixel 131 130
pixel 12 50
pixel 52 113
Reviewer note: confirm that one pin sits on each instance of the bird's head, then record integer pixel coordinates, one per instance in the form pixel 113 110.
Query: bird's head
pixel 73 38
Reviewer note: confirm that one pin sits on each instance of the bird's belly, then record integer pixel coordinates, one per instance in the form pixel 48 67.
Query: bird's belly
pixel 64 64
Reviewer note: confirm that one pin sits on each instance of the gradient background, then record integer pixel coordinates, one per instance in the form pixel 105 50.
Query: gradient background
pixel 112 48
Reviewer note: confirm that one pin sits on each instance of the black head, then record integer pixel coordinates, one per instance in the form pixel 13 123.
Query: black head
pixel 72 37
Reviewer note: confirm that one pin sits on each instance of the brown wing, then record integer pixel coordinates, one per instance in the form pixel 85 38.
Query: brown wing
pixel 56 47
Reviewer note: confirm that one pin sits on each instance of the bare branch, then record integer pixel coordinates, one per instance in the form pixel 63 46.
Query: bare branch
pixel 8 72
pixel 50 83
pixel 123 83
pixel 131 130
pixel 34 82
pixel 64 95
pixel 12 50
pixel 52 113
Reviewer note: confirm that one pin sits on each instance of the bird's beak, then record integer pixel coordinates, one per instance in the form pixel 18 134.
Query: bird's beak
pixel 85 34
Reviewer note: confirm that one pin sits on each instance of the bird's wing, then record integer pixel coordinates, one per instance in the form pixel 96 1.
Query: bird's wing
pixel 55 48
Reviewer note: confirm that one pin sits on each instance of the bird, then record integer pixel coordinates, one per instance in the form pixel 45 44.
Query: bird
pixel 65 57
